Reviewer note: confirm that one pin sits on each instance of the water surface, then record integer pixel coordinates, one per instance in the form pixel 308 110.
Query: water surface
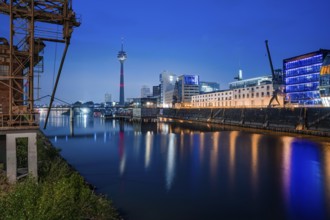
pixel 184 171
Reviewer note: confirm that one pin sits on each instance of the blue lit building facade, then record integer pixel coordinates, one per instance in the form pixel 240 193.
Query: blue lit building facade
pixel 325 81
pixel 302 78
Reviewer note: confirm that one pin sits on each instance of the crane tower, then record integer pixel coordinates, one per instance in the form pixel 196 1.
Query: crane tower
pixel 31 24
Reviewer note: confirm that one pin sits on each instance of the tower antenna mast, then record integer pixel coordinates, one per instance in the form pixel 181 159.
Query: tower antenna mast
pixel 121 57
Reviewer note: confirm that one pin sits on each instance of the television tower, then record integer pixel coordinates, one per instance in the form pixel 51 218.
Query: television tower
pixel 121 57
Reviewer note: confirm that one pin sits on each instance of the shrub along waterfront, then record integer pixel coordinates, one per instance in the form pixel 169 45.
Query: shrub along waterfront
pixel 59 193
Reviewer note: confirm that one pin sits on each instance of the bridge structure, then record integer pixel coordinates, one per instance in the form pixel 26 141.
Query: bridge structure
pixel 31 24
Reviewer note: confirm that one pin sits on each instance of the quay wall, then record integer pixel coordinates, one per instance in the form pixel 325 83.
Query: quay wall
pixel 310 121
pixel 145 114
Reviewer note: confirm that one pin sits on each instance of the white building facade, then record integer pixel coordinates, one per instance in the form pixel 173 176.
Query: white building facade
pixel 256 96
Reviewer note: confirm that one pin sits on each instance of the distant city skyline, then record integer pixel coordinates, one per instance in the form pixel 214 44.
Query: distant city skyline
pixel 208 38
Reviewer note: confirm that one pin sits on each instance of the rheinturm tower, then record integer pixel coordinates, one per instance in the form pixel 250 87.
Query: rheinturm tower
pixel 121 57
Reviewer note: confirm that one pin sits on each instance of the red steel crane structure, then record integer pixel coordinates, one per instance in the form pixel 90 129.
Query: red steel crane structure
pixel 31 23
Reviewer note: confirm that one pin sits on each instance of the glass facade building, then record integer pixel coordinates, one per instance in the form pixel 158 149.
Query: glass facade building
pixel 302 78
pixel 167 83
pixel 325 81
pixel 186 87
pixel 205 87
pixel 250 82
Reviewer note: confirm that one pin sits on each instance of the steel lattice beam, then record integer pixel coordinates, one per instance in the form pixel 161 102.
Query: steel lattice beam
pixel 21 56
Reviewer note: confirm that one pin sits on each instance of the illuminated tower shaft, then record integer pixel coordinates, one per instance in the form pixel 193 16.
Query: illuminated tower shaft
pixel 121 57
pixel 121 85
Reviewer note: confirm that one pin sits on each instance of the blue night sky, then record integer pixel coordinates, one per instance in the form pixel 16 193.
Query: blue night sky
pixel 210 38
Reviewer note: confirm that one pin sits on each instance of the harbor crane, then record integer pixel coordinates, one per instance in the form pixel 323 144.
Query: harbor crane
pixel 275 79
pixel 31 23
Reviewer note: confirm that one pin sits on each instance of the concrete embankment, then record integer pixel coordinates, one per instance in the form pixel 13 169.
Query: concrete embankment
pixel 309 121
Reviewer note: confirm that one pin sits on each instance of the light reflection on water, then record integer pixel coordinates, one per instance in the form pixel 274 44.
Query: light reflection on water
pixel 170 165
pixel 214 152
pixel 286 168
pixel 255 138
pixel 326 158
pixel 232 156
pixel 149 145
pixel 171 171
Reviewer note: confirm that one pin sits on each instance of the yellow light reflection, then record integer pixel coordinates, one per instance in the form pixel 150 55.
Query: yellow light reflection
pixel 214 155
pixel 286 165
pixel 182 145
pixel 201 146
pixel 232 154
pixel 327 172
pixel 254 157
pixel 191 139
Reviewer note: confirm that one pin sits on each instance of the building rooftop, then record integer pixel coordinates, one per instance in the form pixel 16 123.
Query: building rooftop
pixel 302 56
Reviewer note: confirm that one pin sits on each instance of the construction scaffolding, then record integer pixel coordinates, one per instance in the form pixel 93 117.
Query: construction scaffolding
pixel 31 23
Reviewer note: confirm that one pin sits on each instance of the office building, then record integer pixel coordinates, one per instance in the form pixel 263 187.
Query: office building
pixel 302 78
pixel 325 81
pixel 167 84
pixel 156 93
pixel 250 82
pixel 156 90
pixel 251 93
pixel 186 87
pixel 145 92
pixel 205 87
